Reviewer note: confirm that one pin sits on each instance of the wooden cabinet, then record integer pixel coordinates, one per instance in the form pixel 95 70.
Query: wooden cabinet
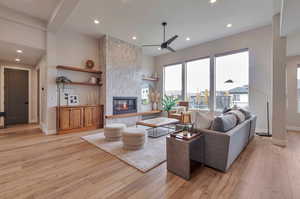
pixel 80 118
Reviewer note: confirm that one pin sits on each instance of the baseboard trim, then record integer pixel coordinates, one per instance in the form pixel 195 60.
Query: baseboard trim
pixel 46 131
pixel 293 128
pixel 280 142
pixel 261 131
pixel 51 132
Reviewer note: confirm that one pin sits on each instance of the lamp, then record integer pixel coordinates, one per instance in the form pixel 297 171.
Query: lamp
pixel 230 81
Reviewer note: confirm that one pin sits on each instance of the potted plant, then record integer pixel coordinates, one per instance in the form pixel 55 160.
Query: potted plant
pixel 168 103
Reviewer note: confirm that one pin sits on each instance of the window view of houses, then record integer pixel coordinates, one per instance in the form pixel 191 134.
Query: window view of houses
pixel 231 81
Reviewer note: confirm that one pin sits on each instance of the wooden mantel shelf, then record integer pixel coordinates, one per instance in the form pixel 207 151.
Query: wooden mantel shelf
pixel 131 114
pixel 77 68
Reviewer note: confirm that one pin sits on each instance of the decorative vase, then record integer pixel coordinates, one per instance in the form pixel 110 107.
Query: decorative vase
pixel 154 106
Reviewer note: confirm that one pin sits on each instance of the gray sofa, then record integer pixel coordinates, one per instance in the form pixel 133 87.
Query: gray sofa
pixel 222 148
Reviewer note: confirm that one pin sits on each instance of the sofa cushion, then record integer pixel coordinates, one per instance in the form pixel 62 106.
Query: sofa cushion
pixel 246 113
pixel 224 123
pixel 240 116
pixel 200 120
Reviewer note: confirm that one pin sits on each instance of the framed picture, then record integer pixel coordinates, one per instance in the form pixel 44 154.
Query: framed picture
pixel 73 100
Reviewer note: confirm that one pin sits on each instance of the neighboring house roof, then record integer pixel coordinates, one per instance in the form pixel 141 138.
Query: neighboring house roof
pixel 239 90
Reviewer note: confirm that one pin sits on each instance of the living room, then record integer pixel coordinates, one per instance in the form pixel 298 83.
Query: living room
pixel 149 99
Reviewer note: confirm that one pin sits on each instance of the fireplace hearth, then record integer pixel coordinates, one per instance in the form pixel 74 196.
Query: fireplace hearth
pixel 123 105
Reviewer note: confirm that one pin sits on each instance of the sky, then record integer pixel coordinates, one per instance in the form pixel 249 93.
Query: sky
pixel 234 67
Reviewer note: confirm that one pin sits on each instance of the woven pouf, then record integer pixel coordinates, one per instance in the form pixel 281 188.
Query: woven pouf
pixel 113 132
pixel 134 138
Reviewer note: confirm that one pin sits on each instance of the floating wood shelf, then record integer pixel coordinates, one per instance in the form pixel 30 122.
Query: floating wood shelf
pixel 131 114
pixel 83 84
pixel 150 79
pixel 78 69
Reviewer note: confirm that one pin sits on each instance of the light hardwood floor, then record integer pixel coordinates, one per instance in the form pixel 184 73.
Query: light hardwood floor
pixel 36 166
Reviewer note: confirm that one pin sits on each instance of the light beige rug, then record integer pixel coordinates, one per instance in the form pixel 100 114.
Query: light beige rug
pixel 153 153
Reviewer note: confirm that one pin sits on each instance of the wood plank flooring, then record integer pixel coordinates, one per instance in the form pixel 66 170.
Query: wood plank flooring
pixel 33 165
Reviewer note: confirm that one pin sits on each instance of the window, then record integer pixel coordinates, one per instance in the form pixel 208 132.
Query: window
pixel 298 87
pixel 173 81
pixel 197 81
pixel 232 80
pixel 228 87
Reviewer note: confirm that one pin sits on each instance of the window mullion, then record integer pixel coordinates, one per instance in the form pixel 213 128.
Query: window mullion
pixel 212 84
pixel 184 79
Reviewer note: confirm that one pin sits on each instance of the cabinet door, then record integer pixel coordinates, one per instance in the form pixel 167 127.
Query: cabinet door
pixel 64 119
pixel 88 117
pixel 76 118
pixel 91 117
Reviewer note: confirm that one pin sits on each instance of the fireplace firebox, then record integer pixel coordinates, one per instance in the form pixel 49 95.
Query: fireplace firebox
pixel 123 105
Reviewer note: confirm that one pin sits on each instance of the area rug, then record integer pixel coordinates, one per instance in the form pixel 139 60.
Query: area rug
pixel 152 155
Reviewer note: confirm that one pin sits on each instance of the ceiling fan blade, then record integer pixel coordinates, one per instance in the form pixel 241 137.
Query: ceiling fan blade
pixel 150 45
pixel 171 40
pixel 171 49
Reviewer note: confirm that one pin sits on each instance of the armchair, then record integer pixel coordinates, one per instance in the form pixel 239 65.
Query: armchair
pixel 181 113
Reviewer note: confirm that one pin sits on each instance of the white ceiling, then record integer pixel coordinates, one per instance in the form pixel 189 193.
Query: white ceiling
pixel 30 56
pixel 41 9
pixel 197 19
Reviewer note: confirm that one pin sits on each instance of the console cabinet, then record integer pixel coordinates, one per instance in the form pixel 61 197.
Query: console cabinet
pixel 79 118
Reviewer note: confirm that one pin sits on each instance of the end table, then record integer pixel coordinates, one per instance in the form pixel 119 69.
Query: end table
pixel 181 152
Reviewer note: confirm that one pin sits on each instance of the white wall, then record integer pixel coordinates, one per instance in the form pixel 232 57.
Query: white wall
pixel 259 42
pixel 293 116
pixel 293 45
pixel 32 89
pixel 42 67
pixel 71 49
pixel 21 34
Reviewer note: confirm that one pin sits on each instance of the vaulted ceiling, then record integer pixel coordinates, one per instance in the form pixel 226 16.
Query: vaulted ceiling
pixel 198 19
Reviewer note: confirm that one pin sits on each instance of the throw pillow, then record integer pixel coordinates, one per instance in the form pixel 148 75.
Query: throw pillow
pixel 200 120
pixel 240 116
pixel 224 123
pixel 246 113
pixel 180 109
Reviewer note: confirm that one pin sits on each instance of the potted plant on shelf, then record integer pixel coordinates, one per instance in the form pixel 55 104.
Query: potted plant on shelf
pixel 167 104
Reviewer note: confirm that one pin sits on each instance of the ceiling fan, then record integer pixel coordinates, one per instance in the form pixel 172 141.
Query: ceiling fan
pixel 165 44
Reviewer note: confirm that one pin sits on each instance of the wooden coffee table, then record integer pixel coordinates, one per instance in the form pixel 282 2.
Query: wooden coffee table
pixel 156 123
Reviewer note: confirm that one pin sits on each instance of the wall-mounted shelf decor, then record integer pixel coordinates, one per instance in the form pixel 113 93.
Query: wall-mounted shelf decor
pixel 78 69
pixel 150 79
pixel 83 84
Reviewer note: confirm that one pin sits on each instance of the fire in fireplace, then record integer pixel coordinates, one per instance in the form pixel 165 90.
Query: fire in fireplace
pixel 122 105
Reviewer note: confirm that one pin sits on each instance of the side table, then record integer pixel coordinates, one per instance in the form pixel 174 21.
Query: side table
pixel 181 152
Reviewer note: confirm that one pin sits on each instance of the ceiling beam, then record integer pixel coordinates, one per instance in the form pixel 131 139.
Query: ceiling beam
pixel 61 14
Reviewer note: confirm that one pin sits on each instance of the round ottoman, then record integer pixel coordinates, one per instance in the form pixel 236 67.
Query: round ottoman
pixel 134 138
pixel 113 132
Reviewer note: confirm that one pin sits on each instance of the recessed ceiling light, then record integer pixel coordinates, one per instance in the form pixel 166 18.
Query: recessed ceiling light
pixel 18 60
pixel 134 38
pixel 20 51
pixel 96 21
pixel 159 48
pixel 188 39
pixel 229 25
pixel 212 1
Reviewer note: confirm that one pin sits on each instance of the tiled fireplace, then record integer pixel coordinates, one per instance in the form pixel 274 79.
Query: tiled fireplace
pixel 123 105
